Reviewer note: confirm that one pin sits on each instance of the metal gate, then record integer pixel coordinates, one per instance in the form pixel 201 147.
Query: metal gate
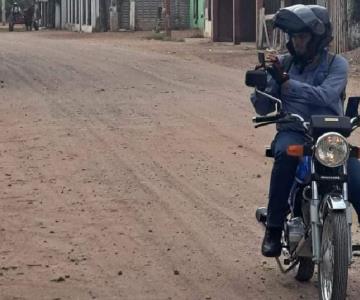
pixel 124 14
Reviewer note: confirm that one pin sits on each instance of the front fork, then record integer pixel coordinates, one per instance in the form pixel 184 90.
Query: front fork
pixel 317 223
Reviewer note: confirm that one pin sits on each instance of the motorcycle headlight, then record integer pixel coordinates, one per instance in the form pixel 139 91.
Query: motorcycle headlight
pixel 332 150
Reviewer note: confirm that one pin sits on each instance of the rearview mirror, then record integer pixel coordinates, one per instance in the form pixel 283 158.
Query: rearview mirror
pixel 256 78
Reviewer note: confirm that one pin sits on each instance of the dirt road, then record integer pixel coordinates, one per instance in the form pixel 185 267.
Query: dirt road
pixel 130 169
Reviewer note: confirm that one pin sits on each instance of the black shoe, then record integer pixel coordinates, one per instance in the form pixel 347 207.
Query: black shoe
pixel 271 246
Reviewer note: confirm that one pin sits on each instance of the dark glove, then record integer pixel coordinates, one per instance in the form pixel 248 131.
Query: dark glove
pixel 277 72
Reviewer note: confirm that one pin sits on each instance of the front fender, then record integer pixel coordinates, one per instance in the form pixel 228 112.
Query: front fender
pixel 335 202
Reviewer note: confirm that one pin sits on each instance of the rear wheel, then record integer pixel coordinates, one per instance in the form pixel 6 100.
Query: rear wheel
pixel 333 268
pixel 11 26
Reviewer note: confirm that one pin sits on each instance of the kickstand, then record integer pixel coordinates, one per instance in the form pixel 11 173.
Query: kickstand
pixel 284 271
pixel 356 248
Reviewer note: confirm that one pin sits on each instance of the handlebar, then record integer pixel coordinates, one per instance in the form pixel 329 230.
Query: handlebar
pixel 280 118
pixel 285 117
pixel 272 118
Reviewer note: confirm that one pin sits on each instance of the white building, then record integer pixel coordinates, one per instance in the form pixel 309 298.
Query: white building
pixel 75 15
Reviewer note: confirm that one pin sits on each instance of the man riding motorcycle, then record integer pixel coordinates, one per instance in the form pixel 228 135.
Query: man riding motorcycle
pixel 309 81
pixel 15 8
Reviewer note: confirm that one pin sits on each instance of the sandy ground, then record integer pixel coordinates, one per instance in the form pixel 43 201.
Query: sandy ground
pixel 130 169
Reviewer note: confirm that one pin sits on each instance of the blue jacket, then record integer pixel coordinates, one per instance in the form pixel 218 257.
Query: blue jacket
pixel 315 91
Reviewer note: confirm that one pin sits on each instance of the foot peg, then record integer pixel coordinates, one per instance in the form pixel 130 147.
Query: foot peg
pixel 261 215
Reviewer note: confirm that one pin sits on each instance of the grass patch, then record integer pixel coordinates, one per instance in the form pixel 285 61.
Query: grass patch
pixel 197 36
pixel 161 36
pixel 158 36
pixel 6 29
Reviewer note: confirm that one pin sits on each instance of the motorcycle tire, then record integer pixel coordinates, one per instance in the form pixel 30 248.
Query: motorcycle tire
pixel 333 269
pixel 305 270
pixel 11 27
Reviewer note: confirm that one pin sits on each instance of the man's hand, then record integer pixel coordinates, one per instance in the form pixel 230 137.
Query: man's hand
pixel 272 57
pixel 258 66
pixel 276 70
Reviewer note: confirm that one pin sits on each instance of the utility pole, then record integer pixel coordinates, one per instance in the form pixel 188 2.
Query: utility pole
pixel 167 18
pixel 3 17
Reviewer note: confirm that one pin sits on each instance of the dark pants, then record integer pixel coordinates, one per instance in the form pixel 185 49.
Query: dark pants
pixel 283 174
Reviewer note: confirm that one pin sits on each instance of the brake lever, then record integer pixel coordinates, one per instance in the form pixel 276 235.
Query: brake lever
pixel 264 124
pixel 355 122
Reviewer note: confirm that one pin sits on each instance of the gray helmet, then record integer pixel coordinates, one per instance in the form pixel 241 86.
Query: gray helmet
pixel 306 18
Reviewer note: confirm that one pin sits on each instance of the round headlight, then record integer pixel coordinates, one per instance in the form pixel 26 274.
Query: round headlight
pixel 332 150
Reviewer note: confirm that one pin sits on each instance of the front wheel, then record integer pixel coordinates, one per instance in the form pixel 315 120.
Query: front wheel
pixel 36 25
pixel 333 268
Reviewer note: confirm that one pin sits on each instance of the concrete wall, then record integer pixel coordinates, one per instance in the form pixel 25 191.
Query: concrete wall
pixel 208 16
pixel 208 21
pixel 354 23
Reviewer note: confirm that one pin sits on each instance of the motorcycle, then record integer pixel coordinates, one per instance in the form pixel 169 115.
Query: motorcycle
pixel 317 229
pixel 26 17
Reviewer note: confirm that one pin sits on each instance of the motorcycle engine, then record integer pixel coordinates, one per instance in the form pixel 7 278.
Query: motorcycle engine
pixel 295 230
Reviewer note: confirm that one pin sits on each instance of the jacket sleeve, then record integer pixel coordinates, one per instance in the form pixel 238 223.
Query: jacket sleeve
pixel 263 105
pixel 325 95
